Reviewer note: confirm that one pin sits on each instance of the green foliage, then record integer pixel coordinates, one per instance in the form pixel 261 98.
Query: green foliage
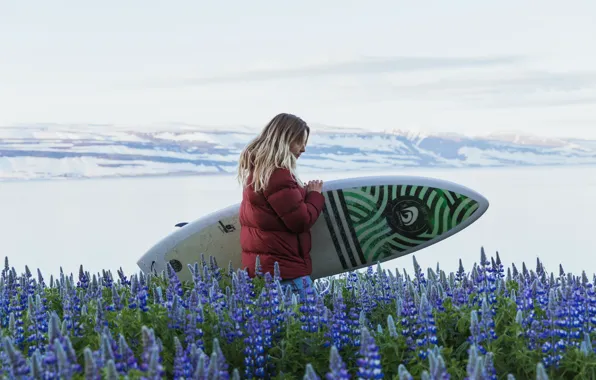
pixel 294 348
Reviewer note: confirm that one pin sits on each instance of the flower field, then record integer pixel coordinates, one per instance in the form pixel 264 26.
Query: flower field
pixel 486 322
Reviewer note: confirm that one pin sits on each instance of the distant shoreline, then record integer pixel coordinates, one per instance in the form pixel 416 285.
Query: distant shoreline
pixel 408 169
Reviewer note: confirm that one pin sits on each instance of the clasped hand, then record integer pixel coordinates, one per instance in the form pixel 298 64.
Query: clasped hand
pixel 316 185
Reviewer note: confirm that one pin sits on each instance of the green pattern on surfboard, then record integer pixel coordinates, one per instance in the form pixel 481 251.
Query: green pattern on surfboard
pixel 371 223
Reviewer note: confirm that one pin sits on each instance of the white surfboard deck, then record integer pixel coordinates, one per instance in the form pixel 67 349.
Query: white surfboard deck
pixel 365 220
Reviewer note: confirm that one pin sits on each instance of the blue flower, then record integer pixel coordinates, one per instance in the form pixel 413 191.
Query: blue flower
pixel 16 363
pixel 337 368
pixel 369 362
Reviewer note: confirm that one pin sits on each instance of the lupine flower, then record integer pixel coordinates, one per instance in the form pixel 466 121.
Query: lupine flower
pixel 91 369
pixel 310 317
pixel 438 369
pixel 194 320
pixel 254 351
pixel 182 365
pixel 403 373
pixel 391 326
pixel 479 367
pixel 586 345
pixel 425 329
pixel 39 344
pixel 418 275
pixel 409 316
pixel 112 372
pixel 150 358
pixel 541 372
pixel 122 278
pixel 482 331
pixel 38 324
pixel 339 331
pixel 337 368
pixel 369 362
pixel 16 363
pixel 126 360
pixel 36 366
pixel 310 373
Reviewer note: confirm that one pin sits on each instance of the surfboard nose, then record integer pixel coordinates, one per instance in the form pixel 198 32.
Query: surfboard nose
pixel 483 203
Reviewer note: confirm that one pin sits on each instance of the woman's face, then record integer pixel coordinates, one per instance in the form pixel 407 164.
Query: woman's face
pixel 297 147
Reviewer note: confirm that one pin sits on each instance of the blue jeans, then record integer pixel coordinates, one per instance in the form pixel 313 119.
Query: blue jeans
pixel 298 287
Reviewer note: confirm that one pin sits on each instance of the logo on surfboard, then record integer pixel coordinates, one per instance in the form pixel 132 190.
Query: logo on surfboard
pixel 408 215
pixel 226 228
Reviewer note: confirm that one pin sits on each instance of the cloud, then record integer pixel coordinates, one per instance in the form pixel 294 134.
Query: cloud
pixel 493 89
pixel 354 67
pixel 527 81
pixel 555 102
pixel 538 89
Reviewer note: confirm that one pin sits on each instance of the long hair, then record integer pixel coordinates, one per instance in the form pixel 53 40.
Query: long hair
pixel 271 150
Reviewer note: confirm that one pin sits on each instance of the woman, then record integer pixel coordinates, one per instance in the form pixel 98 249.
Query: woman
pixel 277 209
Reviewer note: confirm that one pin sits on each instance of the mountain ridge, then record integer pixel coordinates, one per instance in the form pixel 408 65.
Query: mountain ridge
pixel 54 151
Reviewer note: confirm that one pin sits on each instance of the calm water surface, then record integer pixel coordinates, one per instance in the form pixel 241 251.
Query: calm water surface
pixel 109 223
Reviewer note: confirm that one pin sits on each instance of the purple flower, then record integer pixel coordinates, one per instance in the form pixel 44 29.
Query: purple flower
pixel 91 369
pixel 403 373
pixel 254 351
pixel 310 373
pixel 369 363
pixel 310 318
pixel 194 320
pixel 418 275
pixel 479 367
pixel 116 301
pixel 174 290
pixel 59 358
pixel 482 332
pixel 150 358
pixel 125 359
pixel 123 280
pixel 38 324
pixel 111 371
pixel 182 365
pixel 83 282
pixel 438 369
pixel 541 372
pixel 339 330
pixel 16 365
pixel 337 368
pixel 100 317
pixel 425 330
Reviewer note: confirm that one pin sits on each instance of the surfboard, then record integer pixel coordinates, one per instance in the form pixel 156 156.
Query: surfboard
pixel 365 220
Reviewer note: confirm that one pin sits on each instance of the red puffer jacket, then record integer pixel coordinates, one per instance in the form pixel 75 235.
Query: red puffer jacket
pixel 275 225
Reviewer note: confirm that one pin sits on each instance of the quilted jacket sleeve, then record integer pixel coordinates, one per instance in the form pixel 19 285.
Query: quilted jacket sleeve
pixel 298 213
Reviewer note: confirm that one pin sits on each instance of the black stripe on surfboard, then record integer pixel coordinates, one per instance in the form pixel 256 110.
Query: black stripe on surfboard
pixel 342 229
pixel 344 207
pixel 418 191
pixel 350 242
pixel 454 196
pixel 381 196
pixel 435 201
pixel 326 211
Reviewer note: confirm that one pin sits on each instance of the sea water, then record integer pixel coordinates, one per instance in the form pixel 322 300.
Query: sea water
pixel 545 212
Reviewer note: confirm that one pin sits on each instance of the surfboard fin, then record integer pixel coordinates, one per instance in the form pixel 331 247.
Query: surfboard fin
pixel 181 224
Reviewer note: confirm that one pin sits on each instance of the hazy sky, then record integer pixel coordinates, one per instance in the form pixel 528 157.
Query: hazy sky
pixel 461 66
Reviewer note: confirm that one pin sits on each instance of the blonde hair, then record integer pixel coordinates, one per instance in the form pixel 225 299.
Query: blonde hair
pixel 271 150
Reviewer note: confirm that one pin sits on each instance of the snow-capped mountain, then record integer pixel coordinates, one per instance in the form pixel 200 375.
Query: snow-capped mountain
pixel 67 151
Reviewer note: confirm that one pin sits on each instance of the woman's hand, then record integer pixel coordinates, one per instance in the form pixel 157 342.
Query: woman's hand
pixel 316 185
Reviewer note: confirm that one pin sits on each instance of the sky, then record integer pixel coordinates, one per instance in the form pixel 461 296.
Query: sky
pixel 459 66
